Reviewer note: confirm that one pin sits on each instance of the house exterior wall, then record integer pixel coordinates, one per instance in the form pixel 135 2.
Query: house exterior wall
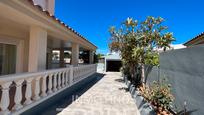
pixel 15 26
pixel 10 34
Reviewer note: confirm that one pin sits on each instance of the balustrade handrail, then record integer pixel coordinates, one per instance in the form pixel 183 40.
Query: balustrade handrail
pixel 38 86
pixel 13 77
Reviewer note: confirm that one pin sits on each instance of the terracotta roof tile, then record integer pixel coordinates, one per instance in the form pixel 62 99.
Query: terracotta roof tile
pixel 195 38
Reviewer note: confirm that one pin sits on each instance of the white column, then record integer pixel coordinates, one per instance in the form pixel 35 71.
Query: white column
pixel 91 57
pixel 37 49
pixel 18 95
pixel 75 54
pixel 20 57
pixel 62 64
pixel 28 92
pixel 4 103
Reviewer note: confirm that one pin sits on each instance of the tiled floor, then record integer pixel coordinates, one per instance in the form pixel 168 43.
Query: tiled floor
pixel 106 97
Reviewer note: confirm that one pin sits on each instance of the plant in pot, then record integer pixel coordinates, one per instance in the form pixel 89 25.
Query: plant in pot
pixel 161 97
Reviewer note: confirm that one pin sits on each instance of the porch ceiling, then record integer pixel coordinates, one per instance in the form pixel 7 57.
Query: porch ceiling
pixel 57 44
pixel 23 12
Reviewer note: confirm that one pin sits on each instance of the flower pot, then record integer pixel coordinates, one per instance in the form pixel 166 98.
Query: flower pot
pixel 128 84
pixel 139 101
pixel 131 86
pixel 147 109
pixel 132 92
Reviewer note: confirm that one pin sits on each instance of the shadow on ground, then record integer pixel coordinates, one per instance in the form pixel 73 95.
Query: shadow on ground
pixel 122 81
pixel 66 101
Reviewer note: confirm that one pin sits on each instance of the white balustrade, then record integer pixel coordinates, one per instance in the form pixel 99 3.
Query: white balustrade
pixel 4 103
pixel 37 87
pixel 28 92
pixel 63 80
pixel 36 90
pixel 59 80
pixel 55 82
pixel 43 86
pixel 50 84
pixel 18 95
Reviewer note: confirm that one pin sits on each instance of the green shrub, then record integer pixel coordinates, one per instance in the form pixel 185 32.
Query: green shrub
pixel 160 94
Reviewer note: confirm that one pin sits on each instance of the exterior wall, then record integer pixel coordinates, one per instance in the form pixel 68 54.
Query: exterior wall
pixel 11 35
pixel 48 5
pixel 183 69
pixel 16 29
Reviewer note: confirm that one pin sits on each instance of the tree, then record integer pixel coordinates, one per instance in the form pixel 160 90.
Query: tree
pixel 154 36
pixel 99 55
pixel 137 41
pixel 124 40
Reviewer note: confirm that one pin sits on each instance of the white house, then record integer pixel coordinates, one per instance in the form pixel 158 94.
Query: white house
pixel 29 32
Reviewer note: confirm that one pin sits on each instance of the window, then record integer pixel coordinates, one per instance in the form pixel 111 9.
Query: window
pixel 7 59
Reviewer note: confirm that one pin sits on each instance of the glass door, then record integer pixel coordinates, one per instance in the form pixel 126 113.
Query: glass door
pixel 7 59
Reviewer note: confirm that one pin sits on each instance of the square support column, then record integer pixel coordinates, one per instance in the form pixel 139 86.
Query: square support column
pixel 91 57
pixel 37 49
pixel 62 64
pixel 75 54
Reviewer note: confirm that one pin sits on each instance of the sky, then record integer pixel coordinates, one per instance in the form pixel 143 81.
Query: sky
pixel 92 18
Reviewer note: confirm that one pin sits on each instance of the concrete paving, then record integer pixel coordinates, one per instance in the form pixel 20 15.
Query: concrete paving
pixel 107 97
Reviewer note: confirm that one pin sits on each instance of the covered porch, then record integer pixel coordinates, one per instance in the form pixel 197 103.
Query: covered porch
pixel 40 56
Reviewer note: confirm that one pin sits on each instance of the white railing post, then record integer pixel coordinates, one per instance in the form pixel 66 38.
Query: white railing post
pixel 66 78
pixel 18 95
pixel 59 81
pixel 50 84
pixel 36 90
pixel 5 100
pixel 71 75
pixel 44 88
pixel 28 92
pixel 55 83
pixel 63 75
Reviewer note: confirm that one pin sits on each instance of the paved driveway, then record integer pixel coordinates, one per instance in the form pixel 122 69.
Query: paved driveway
pixel 106 97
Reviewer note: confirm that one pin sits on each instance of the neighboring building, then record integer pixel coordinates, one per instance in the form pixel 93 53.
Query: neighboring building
pixel 113 62
pixel 196 40
pixel 172 47
pixel 29 33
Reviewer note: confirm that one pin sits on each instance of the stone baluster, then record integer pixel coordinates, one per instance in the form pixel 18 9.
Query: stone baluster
pixel 50 84
pixel 55 83
pixel 71 75
pixel 4 103
pixel 44 86
pixel 28 92
pixel 67 78
pixel 59 80
pixel 18 95
pixel 36 90
pixel 63 75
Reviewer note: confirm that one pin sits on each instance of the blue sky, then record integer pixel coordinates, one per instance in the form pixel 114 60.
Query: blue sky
pixel 92 18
